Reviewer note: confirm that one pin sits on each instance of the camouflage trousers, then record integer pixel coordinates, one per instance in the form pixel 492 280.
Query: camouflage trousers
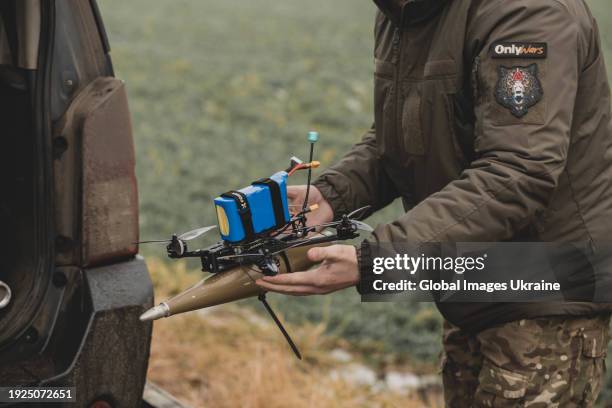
pixel 547 362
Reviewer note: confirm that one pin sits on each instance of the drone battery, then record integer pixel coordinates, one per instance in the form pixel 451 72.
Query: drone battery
pixel 255 209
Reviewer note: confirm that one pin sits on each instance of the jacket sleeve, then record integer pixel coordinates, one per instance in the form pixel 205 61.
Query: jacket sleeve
pixel 519 158
pixel 357 180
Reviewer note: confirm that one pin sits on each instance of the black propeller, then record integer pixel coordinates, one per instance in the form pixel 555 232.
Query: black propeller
pixel 359 211
pixel 193 234
pixel 354 218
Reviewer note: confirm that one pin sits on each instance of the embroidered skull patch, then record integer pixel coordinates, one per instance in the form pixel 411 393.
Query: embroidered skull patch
pixel 518 88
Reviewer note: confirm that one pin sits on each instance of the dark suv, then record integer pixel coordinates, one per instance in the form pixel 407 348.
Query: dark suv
pixel 72 282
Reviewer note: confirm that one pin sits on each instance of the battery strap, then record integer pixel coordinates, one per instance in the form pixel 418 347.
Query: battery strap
pixel 243 211
pixel 277 200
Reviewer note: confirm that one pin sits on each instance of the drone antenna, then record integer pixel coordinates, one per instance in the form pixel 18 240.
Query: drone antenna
pixel 313 137
pixel 296 351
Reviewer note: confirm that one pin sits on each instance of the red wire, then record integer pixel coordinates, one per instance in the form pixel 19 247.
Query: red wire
pixel 296 168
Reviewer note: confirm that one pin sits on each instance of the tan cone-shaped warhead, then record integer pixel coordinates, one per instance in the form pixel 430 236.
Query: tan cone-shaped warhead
pixel 231 285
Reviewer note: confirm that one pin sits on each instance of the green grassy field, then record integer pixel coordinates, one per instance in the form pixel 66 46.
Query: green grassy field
pixel 224 92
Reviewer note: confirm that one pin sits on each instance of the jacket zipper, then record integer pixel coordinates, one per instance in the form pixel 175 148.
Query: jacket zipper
pixel 395 42
pixel 396 59
pixel 475 79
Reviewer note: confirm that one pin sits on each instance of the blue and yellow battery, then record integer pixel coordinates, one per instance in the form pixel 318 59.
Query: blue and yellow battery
pixel 259 198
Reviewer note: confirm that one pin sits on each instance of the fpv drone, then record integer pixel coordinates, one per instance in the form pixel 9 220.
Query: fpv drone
pixel 257 227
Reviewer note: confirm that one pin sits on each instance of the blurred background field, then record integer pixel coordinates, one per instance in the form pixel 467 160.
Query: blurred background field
pixel 223 92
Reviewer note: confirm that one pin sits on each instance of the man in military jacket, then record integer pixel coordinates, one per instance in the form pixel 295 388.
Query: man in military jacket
pixel 492 123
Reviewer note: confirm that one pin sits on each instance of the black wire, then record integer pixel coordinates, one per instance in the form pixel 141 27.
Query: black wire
pixel 262 298
pixel 296 351
pixel 305 205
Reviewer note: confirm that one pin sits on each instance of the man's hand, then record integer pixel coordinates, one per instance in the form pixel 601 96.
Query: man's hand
pixel 323 214
pixel 338 270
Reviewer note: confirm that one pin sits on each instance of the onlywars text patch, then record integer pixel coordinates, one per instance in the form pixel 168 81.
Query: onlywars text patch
pixel 519 50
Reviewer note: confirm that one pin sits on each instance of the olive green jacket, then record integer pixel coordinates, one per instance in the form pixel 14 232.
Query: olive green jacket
pixel 492 123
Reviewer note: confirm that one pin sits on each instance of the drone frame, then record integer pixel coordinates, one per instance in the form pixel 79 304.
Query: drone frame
pixel 263 248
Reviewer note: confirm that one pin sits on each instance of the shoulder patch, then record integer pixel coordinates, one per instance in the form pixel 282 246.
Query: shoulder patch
pixel 536 50
pixel 518 88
